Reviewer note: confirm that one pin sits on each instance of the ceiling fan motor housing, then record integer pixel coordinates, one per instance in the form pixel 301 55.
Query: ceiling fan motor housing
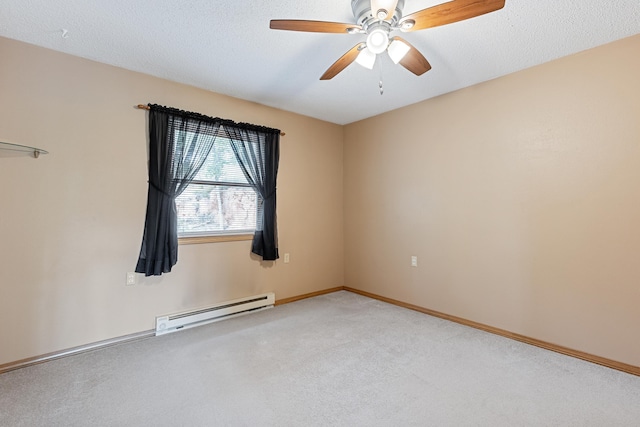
pixel 365 16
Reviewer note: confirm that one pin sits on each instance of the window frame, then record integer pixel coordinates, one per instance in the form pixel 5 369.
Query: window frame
pixel 189 238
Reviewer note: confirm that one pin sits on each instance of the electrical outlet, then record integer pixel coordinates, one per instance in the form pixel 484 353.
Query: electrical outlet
pixel 131 279
pixel 414 261
pixel 286 258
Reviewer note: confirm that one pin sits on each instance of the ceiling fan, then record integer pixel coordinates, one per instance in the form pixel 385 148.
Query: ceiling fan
pixel 378 19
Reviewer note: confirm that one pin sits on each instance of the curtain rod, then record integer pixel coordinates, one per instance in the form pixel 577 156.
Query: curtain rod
pixel 146 107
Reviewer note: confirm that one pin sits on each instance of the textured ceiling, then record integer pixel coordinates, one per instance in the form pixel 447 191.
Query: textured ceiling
pixel 227 46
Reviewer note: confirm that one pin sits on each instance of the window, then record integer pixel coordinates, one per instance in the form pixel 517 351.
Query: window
pixel 219 201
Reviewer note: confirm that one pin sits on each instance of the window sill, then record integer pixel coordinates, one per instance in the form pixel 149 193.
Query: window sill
pixel 214 239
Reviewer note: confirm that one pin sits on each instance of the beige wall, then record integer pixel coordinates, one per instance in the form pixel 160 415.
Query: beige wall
pixel 71 221
pixel 520 197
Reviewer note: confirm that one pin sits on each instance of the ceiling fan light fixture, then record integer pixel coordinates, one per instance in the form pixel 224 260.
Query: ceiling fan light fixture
pixel 397 50
pixel 377 41
pixel 366 58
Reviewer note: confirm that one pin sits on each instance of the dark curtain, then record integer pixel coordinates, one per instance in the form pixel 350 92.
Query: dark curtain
pixel 179 143
pixel 258 152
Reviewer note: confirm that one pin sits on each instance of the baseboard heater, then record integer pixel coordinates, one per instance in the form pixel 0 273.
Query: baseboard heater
pixel 224 310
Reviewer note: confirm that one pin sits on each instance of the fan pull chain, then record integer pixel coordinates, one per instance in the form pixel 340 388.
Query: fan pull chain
pixel 380 81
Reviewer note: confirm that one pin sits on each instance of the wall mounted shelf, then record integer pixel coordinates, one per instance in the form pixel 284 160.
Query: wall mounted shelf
pixel 22 148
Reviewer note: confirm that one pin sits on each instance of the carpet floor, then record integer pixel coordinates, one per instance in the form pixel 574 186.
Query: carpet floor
pixel 339 359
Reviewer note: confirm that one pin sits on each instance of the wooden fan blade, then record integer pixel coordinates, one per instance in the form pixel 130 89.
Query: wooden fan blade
pixel 312 26
pixel 413 61
pixel 343 62
pixel 450 12
pixel 388 6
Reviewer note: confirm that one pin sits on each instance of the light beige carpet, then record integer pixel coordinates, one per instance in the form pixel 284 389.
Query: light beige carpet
pixel 335 360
